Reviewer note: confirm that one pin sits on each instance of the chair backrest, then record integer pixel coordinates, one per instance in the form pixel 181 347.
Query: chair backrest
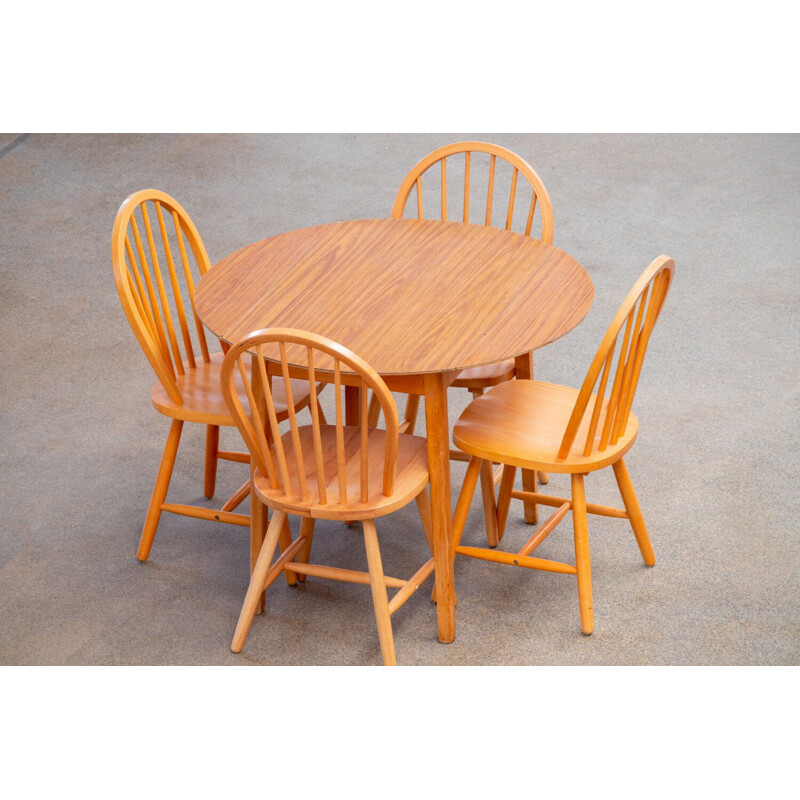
pixel 520 166
pixel 258 423
pixel 140 251
pixel 638 314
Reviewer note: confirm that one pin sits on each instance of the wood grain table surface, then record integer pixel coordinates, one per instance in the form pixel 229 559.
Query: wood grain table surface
pixel 419 300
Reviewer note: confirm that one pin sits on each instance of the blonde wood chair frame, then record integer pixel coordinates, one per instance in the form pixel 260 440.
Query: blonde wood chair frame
pixel 502 426
pixel 478 379
pixel 319 471
pixel 188 382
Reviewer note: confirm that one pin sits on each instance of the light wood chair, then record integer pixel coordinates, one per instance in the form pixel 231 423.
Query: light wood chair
pixel 321 471
pixel 158 299
pixel 479 379
pixel 543 426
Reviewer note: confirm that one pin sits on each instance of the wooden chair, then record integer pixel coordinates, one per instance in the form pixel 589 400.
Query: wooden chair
pixel 543 426
pixel 478 379
pixel 321 471
pixel 188 388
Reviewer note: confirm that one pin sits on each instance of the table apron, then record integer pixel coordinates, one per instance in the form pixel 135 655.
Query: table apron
pixel 403 384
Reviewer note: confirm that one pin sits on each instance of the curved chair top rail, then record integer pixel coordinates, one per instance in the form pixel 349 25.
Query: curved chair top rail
pixel 260 417
pixel 140 254
pixel 638 314
pixel 520 166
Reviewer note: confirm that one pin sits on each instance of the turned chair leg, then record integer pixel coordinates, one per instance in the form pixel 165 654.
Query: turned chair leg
pixel 379 597
pixel 544 477
pixel 487 492
pixel 257 581
pixel 160 489
pixel 489 504
pixel 634 512
pixel 212 448
pixel 530 484
pixel 463 504
pixel 307 530
pixel 504 498
pixel 582 558
pixel 258 529
pixel 465 498
pixel 284 540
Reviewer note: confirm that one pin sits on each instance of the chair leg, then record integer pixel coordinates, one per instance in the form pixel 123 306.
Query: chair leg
pixel 160 489
pixel 258 529
pixel 489 504
pixel 257 581
pixel 212 448
pixel 412 408
pixel 374 412
pixel 462 505
pixel 544 477
pixel 465 498
pixel 634 512
pixel 379 597
pixel 284 540
pixel 530 484
pixel 504 498
pixel 582 559
pixel 487 491
pixel 307 530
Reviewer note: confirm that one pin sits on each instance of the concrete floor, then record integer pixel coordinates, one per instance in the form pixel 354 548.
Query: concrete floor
pixel 715 465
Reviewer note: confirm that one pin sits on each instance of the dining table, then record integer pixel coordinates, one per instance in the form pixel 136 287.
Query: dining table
pixel 420 301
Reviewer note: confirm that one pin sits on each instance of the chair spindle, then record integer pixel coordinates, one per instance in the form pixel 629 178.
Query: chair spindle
pixel 201 335
pixel 340 454
pixel 638 314
pixel 511 196
pixel 364 408
pixel 318 456
pixel 467 155
pixel 176 292
pixel 444 189
pixel 168 324
pixel 298 451
pixel 490 192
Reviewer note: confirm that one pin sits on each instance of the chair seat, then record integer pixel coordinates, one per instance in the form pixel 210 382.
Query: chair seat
pixel 487 375
pixel 411 478
pixel 522 423
pixel 202 396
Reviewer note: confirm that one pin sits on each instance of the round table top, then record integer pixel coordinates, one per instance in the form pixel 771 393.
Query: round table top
pixel 408 296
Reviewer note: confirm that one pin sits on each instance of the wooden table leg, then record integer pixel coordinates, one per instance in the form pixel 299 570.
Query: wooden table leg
pixel 524 371
pixel 438 433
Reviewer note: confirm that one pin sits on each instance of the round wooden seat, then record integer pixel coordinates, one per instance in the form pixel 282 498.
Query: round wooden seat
pixel 202 396
pixel 410 480
pixel 522 423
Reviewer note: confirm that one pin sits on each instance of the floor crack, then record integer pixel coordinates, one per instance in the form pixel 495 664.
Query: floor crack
pixel 11 145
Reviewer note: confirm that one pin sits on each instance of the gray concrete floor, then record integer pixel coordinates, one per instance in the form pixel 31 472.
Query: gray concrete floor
pixel 715 465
